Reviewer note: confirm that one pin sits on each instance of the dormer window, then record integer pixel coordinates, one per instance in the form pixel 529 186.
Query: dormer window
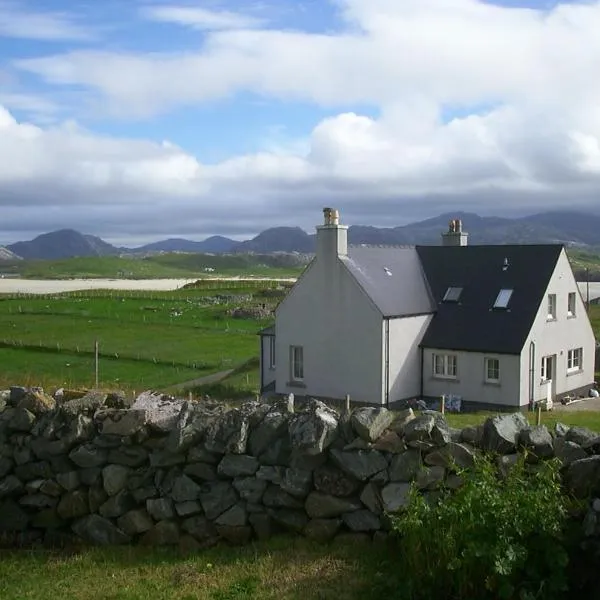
pixel 503 298
pixel 452 294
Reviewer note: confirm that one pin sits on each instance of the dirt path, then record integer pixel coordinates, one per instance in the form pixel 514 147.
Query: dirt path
pixel 207 379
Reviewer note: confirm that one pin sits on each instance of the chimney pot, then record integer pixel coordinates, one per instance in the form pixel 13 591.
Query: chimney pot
pixel 331 216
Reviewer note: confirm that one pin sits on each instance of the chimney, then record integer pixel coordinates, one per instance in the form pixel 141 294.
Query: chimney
pixel 332 238
pixel 455 236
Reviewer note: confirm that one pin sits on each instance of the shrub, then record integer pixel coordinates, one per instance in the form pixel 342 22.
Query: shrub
pixel 495 537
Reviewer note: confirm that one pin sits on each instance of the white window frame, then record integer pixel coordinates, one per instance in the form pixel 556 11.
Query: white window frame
pixel 271 352
pixel 492 365
pixel 444 366
pixel 575 360
pixel 551 307
pixel 572 304
pixel 297 363
pixel 503 298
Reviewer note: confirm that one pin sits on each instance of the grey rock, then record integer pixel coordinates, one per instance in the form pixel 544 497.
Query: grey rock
pixel 38 501
pixel 47 519
pixel 314 430
pixel 114 421
pixel 403 417
pixel 333 481
pixel 472 435
pixel 371 498
pixel 73 505
pixel 279 453
pixel 200 454
pixel 160 509
pixel 322 530
pixel 507 462
pixel 33 487
pixel 117 506
pixel 454 481
pixel 12 517
pixel 580 435
pixel 236 516
pixel 10 486
pixel 538 441
pixel 501 433
pixel 188 509
pixel 162 412
pixel 96 497
pixel 45 449
pixel 275 497
pixel 37 402
pixel 560 430
pixel 114 478
pixel 22 420
pixel 100 531
pixel 360 464
pixel 51 488
pixel 135 522
pixel 87 404
pixel 201 471
pixel 272 474
pixel 164 533
pixel 362 520
pixel 90 476
pixel 582 477
pixel 238 536
pixel 568 452
pixel 355 444
pixel 108 441
pixel 292 520
pixel 34 470
pixel 128 456
pixel 88 455
pixel 200 528
pixel 141 494
pixel 163 458
pixel 405 467
pixel 390 442
pixel 395 496
pixel 430 478
pixel 68 481
pixel 321 506
pixel 262 525
pixel 250 488
pixel 596 504
pixel 273 426
pixel 185 489
pixel 6 466
pixel 237 465
pixel 228 433
pixel 216 497
pixel 419 428
pixel 297 482
pixel 453 455
pixel 370 422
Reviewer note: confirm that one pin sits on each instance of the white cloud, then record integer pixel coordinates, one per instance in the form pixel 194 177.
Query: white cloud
pixel 17 22
pixel 200 18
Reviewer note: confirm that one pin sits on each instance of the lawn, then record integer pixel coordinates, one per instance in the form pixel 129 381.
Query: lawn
pixel 282 568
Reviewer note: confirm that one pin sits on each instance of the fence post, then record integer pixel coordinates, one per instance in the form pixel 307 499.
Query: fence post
pixel 443 404
pixel 347 404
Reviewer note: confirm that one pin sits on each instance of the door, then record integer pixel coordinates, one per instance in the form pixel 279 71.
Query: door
pixel 549 376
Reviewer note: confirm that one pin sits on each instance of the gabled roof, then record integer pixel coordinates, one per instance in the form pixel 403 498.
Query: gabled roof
pixel 472 324
pixel 392 277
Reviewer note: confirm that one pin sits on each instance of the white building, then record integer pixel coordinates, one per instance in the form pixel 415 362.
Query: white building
pixel 497 326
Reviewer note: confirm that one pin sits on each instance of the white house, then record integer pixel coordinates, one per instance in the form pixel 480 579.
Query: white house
pixel 499 326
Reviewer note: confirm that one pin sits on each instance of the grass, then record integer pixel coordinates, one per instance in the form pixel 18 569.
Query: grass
pixel 282 568
pixel 589 419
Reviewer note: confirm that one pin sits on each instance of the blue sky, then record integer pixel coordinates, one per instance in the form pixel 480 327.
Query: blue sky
pixel 276 106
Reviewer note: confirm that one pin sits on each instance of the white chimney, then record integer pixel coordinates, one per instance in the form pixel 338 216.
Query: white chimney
pixel 455 236
pixel 332 238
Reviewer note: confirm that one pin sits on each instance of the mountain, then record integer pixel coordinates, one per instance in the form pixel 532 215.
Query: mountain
pixel 64 243
pixel 279 239
pixel 216 244
pixel 6 254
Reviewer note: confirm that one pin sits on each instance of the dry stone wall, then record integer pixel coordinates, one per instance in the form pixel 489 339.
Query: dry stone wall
pixel 165 471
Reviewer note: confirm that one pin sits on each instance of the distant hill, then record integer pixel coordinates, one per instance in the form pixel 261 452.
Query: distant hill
pixel 6 254
pixel 579 230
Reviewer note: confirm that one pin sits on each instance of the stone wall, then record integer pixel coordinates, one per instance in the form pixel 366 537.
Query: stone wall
pixel 165 471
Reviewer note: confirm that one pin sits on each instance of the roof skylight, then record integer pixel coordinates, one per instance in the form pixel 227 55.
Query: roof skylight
pixel 452 294
pixel 503 298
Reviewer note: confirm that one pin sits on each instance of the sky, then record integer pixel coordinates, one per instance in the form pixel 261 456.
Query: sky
pixel 148 119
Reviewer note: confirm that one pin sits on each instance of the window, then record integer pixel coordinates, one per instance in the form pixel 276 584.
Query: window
pixel 272 352
pixel 551 307
pixel 297 362
pixel 444 365
pixel 492 370
pixel 452 294
pixel 575 360
pixel 571 304
pixel 503 298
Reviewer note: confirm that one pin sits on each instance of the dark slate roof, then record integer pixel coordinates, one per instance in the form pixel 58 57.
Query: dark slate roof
pixel 392 277
pixel 472 324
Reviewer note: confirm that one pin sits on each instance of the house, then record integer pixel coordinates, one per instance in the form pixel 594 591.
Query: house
pixel 498 326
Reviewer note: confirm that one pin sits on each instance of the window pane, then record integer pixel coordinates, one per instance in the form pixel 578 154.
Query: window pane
pixel 503 298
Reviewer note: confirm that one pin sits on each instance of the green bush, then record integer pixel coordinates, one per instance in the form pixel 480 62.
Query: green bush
pixel 497 537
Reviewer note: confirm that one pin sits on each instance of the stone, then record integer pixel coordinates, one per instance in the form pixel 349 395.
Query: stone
pixel 38 501
pixel 297 482
pixel 279 453
pixel 141 494
pixel 162 412
pixel 370 422
pixel 390 442
pixel 217 497
pixel 441 432
pixel 189 508
pixel 321 506
pixel 200 528
pixel 164 458
pixel 275 497
pixel 122 422
pixel 292 520
pixel 501 433
pixel 395 496
pixel 228 433
pixel 405 467
pixel 68 481
pixel 419 428
pixel 454 481
pixel 10 486
pixel 313 430
pixel 322 530
pixel 237 465
pixel 201 471
pixel 355 444
pixel 117 506
pixel 371 498
pixel 538 441
pixel 22 420
pixel 472 435
pixel 47 519
pixel 262 525
pixel 236 516
pixel 272 474
pixel 90 476
pixel 452 456
pixel 128 456
pixel 403 417
pixel 164 533
pixel 580 435
pixel 135 522
pixel 6 466
pixel 100 531
pixel 185 489
pixel 34 470
pixel 114 478
pixel 238 536
pixel 273 426
pixel 200 454
pixel 37 402
pixel 250 489
pixel 360 464
pixel 362 520
pixel 96 497
pixel 568 452
pixel 333 481
pixel 430 478
pixel 560 430
pixel 51 488
pixel 46 449
pixel 582 477
pixel 88 455
pixel 87 404
pixel 12 517
pixel 507 462
pixel 73 505
pixel 160 509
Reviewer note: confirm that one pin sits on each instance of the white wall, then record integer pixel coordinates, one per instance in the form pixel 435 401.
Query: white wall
pixel 330 316
pixel 267 373
pixel 470 381
pixel 405 335
pixel 558 337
